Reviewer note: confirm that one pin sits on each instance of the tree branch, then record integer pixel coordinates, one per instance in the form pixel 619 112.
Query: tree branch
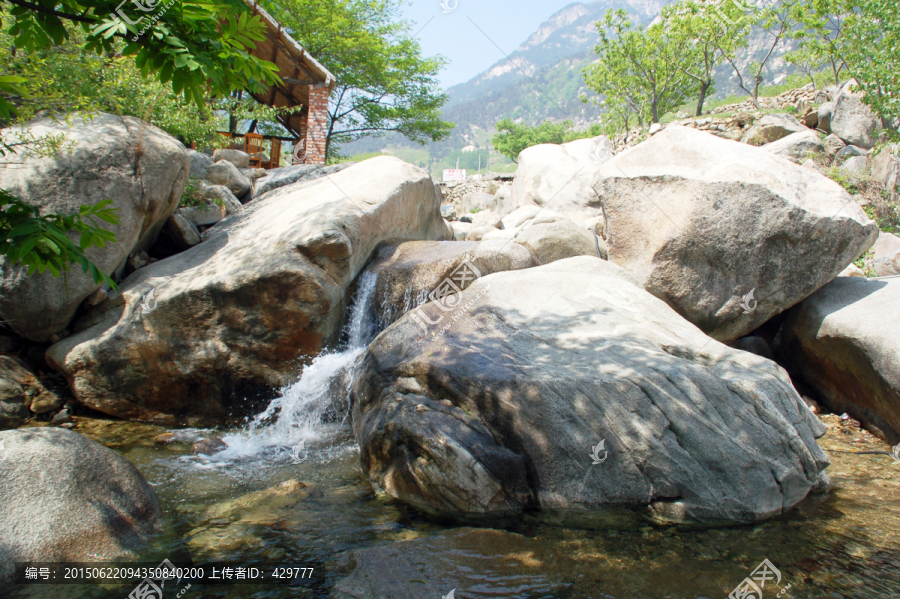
pixel 50 11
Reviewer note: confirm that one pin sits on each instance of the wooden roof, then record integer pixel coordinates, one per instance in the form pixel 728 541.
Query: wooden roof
pixel 298 70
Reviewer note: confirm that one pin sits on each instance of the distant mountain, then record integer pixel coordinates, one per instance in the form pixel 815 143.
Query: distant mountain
pixel 542 79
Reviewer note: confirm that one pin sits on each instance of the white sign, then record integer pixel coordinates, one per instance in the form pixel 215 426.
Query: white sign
pixel 454 174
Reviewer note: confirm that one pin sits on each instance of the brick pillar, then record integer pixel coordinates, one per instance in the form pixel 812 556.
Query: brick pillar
pixel 316 125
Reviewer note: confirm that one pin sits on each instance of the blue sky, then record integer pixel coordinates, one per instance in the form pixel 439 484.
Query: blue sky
pixel 503 24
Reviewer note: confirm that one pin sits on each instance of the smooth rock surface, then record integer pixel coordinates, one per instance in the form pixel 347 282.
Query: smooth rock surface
pixel 235 313
pixel 505 409
pixel 238 158
pixel 560 239
pixel 412 273
pixel 227 174
pixel 182 232
pixel 844 340
pixel 558 177
pixel 701 222
pixel 66 498
pixel 200 163
pixel 886 255
pixel 287 175
pixel 853 121
pixel 797 147
pixel 773 127
pixel 103 163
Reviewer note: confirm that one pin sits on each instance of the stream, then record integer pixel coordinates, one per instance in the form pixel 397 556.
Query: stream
pixel 289 490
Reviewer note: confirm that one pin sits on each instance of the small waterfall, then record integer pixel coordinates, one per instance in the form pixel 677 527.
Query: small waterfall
pixel 315 407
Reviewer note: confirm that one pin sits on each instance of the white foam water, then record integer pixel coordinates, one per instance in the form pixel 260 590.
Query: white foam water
pixel 306 414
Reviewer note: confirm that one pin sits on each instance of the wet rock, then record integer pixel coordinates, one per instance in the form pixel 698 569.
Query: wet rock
pixel 702 222
pixel 843 340
pixel 208 446
pixel 67 498
pixel 61 417
pixel 692 428
pixel 142 169
pixel 408 273
pixel 229 526
pixel 34 395
pixel 176 437
pixel 235 313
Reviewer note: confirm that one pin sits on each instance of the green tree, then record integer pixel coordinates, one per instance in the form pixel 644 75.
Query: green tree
pixel 871 48
pixel 512 138
pixel 700 24
pixel 821 38
pixel 778 22
pixel 383 82
pixel 200 48
pixel 648 63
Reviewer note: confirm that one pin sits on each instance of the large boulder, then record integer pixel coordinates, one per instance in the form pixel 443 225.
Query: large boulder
pixel 773 127
pixel 886 255
pixel 853 121
pixel 824 115
pixel 238 158
pixel 558 177
pixel 727 234
pixel 562 238
pixel 286 175
pixel 142 169
pixel 66 498
pixel 844 340
pixel 202 334
pixel 797 147
pixel 226 174
pixel 567 388
pixel 414 272
pixel 200 163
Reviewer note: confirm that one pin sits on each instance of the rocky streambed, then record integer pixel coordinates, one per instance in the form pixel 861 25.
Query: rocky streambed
pixel 322 513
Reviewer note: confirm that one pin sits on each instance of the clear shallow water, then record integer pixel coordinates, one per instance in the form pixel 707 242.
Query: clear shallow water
pixel 844 544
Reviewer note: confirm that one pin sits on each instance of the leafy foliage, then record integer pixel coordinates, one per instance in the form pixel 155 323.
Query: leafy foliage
pixel 640 71
pixel 42 242
pixel 512 137
pixel 384 82
pixel 871 48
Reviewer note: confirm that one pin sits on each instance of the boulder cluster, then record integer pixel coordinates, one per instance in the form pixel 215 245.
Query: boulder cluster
pixel 615 329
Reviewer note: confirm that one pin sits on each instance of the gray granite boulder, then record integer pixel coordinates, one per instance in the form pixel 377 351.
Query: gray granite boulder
pixel 568 389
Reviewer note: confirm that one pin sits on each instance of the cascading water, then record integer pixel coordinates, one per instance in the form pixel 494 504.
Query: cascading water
pixel 306 411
